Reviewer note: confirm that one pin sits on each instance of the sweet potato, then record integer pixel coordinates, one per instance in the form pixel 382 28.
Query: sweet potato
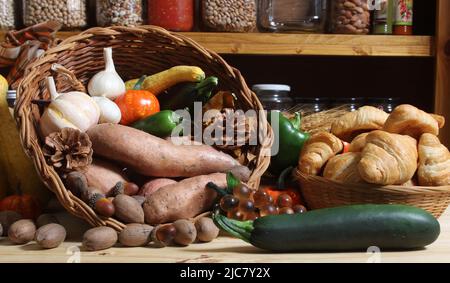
pixel 155 157
pixel 185 199
pixel 152 186
pixel 104 175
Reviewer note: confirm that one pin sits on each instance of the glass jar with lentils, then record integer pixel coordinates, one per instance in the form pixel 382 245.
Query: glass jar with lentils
pixel 228 15
pixel 350 17
pixel 119 12
pixel 70 13
pixel 7 19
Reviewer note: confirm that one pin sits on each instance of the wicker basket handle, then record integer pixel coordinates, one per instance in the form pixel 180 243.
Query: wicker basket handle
pixel 69 76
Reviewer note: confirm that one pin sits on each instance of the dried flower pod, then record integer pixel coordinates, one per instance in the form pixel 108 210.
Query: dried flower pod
pixel 68 150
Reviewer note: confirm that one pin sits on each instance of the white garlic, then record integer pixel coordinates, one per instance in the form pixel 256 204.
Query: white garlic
pixel 73 109
pixel 109 111
pixel 107 83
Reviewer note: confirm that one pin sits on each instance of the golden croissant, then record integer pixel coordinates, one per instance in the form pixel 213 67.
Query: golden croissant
pixel 409 120
pixel 358 143
pixel 388 159
pixel 434 162
pixel 343 168
pixel 365 119
pixel 316 152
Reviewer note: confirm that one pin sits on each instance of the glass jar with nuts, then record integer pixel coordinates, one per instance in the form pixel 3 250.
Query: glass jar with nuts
pixel 119 12
pixel 7 19
pixel 70 13
pixel 350 17
pixel 229 15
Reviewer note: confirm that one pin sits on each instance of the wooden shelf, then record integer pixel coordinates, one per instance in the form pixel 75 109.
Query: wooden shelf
pixel 310 44
pixel 316 44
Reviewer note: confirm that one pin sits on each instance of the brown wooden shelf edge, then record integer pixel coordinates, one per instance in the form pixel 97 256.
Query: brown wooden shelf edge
pixel 309 44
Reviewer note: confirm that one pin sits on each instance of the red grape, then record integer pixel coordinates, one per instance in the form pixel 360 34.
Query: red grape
pixel 284 200
pixel 286 210
pixel 299 208
pixel 229 203
pixel 252 216
pixel 247 206
pixel 235 214
pixel 262 198
pixel 242 192
pixel 268 210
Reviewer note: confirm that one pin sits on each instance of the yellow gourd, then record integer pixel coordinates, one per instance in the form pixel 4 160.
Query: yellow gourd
pixel 162 81
pixel 17 169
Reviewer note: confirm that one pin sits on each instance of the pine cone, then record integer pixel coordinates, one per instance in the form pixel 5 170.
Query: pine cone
pixel 242 127
pixel 68 150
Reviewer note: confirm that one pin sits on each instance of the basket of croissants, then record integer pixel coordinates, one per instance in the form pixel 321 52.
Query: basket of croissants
pixel 370 156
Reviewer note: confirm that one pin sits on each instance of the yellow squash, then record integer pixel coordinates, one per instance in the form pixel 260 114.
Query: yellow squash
pixel 17 169
pixel 162 81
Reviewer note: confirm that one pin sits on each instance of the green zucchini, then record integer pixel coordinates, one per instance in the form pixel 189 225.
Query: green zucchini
pixel 347 228
pixel 184 95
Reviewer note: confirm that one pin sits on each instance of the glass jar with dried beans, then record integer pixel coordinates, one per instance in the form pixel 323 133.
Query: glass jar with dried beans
pixel 7 14
pixel 228 15
pixel 119 12
pixel 349 17
pixel 70 13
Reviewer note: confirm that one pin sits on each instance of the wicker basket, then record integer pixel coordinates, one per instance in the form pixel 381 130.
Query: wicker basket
pixel 137 51
pixel 319 192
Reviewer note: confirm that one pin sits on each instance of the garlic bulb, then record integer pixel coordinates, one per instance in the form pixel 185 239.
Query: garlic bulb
pixel 109 111
pixel 107 83
pixel 72 109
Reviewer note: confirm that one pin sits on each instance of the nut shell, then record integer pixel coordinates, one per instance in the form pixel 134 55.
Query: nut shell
pixel 99 238
pixel 135 235
pixel 50 236
pixel 128 210
pixel 22 231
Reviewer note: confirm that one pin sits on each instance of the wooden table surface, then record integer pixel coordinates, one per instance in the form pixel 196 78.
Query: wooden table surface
pixel 222 250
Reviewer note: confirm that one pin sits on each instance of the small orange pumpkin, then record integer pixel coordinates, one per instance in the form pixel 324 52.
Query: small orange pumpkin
pixel 24 204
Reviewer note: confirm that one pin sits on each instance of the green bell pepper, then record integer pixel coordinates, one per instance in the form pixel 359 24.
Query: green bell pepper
pixel 160 124
pixel 290 140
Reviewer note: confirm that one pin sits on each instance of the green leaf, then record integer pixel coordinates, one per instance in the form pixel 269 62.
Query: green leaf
pixel 232 182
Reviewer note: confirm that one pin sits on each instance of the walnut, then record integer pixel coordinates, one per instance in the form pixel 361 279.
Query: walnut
pixel 68 150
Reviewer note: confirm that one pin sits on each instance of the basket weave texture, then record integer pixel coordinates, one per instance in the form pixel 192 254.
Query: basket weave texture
pixel 320 192
pixel 136 51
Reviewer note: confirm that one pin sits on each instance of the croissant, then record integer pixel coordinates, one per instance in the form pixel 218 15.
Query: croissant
pixel 316 152
pixel 343 168
pixel 434 162
pixel 388 159
pixel 364 119
pixel 358 143
pixel 409 120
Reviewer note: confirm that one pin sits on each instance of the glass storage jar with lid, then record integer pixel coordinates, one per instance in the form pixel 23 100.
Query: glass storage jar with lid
pixel 70 13
pixel 292 15
pixel 310 105
pixel 386 104
pixel 7 14
pixel 119 12
pixel 174 15
pixel 274 96
pixel 349 16
pixel 228 15
pixel 349 103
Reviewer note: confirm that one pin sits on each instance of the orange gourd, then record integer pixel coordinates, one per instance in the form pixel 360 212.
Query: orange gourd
pixel 24 204
pixel 137 104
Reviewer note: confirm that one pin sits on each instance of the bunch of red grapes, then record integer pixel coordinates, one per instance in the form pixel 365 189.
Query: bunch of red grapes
pixel 247 204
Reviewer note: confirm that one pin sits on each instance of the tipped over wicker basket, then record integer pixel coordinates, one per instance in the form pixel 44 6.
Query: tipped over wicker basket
pixel 319 192
pixel 137 51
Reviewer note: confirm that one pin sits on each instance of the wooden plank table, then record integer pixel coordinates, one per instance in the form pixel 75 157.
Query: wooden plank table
pixel 222 250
